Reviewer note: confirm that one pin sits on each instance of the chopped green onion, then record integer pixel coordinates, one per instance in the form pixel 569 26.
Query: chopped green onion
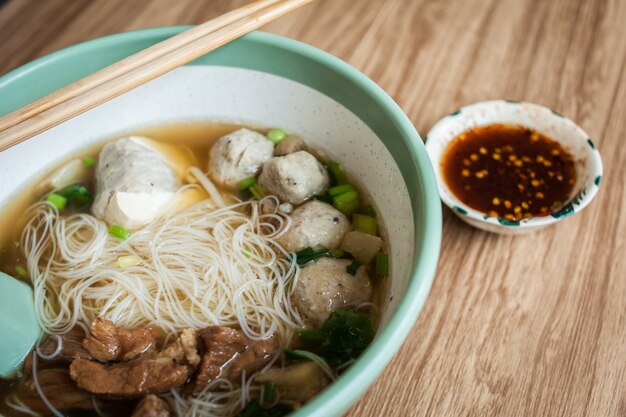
pixel 340 189
pixel 127 261
pixel 365 224
pixel 57 201
pixel 257 191
pixel 316 336
pixel 324 198
pixel 353 267
pixel 382 264
pixel 295 355
pixel 336 253
pixel 269 392
pixel 88 161
pixel 307 255
pixel 77 194
pixel 276 135
pixel 336 171
pixel 369 210
pixel 247 183
pixel 21 271
pixel 347 203
pixel 119 232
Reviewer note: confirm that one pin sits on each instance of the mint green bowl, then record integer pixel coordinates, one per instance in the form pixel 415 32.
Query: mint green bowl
pixel 273 81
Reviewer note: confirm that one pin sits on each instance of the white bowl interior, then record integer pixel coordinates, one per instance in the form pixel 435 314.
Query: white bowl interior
pixel 226 94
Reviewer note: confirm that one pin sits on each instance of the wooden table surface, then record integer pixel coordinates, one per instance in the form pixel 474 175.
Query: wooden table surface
pixel 514 326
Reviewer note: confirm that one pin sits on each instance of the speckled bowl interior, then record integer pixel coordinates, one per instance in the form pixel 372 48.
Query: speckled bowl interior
pixel 263 80
pixel 541 119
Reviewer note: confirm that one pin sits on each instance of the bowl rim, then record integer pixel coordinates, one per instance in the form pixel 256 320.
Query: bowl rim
pixel 594 169
pixel 345 390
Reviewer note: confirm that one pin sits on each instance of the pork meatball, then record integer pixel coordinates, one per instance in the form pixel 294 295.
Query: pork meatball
pixel 294 178
pixel 316 225
pixel 237 156
pixel 325 286
pixel 290 145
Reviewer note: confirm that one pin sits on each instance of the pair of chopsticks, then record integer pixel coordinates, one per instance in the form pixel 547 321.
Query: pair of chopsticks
pixel 138 69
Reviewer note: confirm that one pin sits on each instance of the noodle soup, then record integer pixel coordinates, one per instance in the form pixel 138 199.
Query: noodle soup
pixel 194 269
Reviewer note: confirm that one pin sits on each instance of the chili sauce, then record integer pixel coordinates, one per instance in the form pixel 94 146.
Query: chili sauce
pixel 510 172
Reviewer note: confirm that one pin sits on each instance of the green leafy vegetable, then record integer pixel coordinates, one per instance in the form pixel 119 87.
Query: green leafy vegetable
pixel 88 161
pixel 77 195
pixel 336 170
pixel 276 135
pixel 247 183
pixel 353 267
pixel 254 409
pixel 382 264
pixel 364 224
pixel 344 336
pixel 57 201
pixel 119 232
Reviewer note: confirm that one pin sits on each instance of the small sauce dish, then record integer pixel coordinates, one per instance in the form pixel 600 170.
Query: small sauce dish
pixel 573 140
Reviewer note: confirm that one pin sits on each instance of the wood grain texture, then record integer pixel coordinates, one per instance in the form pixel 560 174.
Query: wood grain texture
pixel 514 326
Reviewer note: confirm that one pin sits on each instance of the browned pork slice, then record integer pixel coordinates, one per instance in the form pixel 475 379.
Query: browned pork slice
pixel 58 388
pixel 152 374
pixel 71 348
pixel 152 406
pixel 228 353
pixel 107 342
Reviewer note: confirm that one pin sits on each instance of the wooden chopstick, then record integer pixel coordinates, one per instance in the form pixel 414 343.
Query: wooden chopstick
pixel 137 69
pixel 130 63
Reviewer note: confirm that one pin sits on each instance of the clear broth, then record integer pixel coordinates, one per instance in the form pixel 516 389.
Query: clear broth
pixel 198 138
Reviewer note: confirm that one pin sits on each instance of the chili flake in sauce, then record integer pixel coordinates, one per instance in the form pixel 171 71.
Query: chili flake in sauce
pixel 509 171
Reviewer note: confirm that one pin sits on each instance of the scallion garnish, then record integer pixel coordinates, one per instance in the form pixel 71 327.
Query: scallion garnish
pixel 307 255
pixel 88 161
pixel 57 201
pixel 336 171
pixel 369 210
pixel 247 183
pixel 257 191
pixel 21 272
pixel 336 253
pixel 347 203
pixel 382 264
pixel 353 267
pixel 365 224
pixel 276 135
pixel 340 189
pixel 127 261
pixel 269 392
pixel 294 355
pixel 324 198
pixel 119 232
